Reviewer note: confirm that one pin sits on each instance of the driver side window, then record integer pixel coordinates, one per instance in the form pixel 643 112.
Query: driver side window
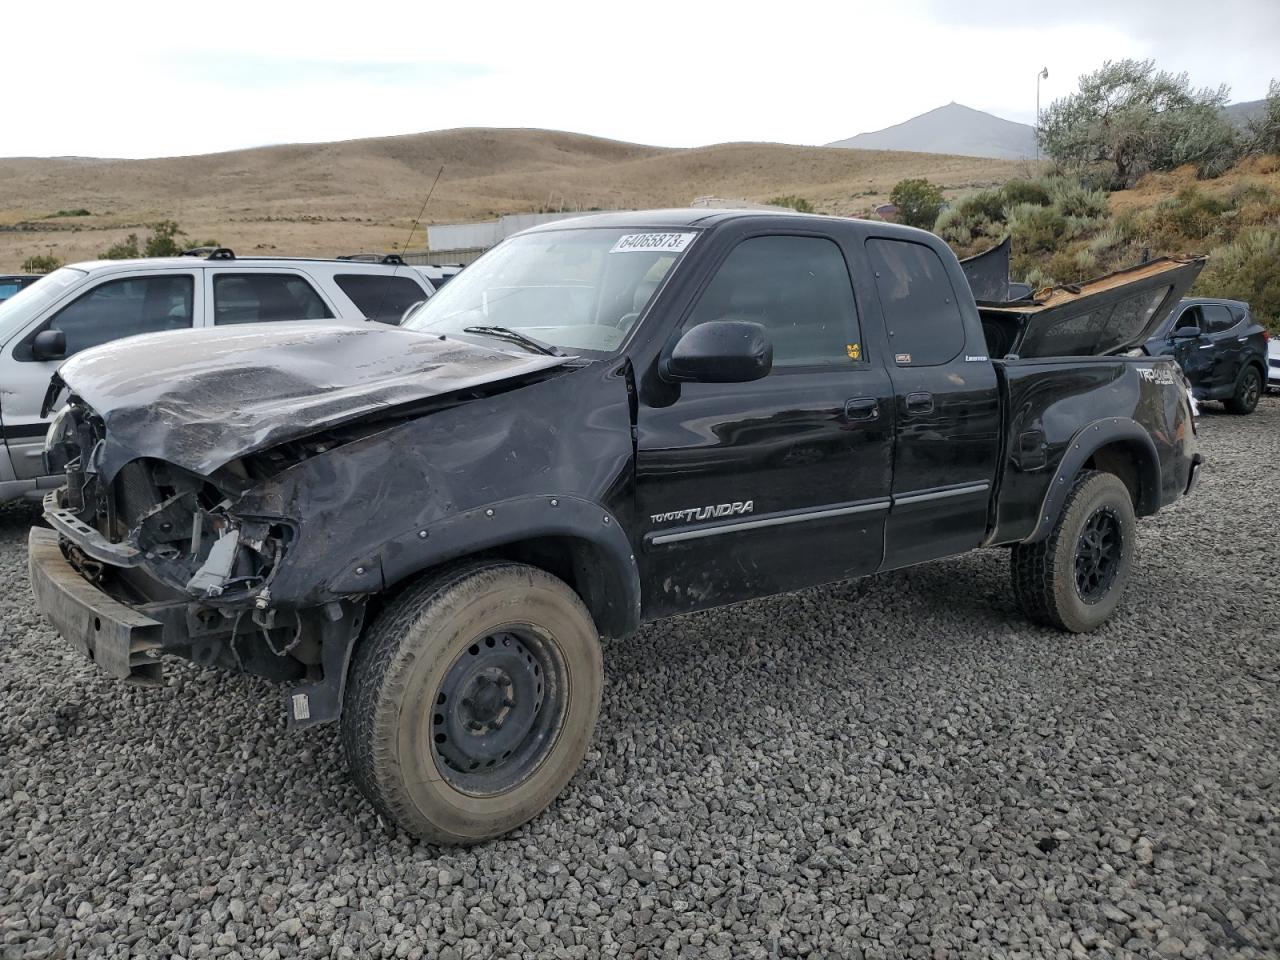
pixel 797 288
pixel 121 308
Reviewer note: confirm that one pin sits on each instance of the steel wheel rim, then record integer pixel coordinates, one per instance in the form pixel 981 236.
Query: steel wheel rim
pixel 498 710
pixel 1099 552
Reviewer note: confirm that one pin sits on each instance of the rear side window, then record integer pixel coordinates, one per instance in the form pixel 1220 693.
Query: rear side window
pixel 255 297
pixel 797 288
pixel 1215 318
pixel 381 298
pixel 122 308
pixel 921 311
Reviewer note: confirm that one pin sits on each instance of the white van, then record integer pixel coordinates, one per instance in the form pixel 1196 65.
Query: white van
pixel 87 304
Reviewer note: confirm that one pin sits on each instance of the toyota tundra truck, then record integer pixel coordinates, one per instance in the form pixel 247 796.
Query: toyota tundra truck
pixel 423 531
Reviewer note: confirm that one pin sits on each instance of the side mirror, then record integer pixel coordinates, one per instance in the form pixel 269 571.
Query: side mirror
pixel 1185 333
pixel 49 345
pixel 720 351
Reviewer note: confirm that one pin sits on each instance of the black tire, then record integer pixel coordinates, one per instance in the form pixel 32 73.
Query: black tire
pixel 1248 390
pixel 469 630
pixel 1060 581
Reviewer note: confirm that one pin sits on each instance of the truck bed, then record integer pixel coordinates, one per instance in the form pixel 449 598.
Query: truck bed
pixel 1106 315
pixel 1050 403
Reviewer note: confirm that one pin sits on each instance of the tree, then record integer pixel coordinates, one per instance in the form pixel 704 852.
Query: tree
pixel 1128 118
pixel 918 201
pixel 1264 129
pixel 41 263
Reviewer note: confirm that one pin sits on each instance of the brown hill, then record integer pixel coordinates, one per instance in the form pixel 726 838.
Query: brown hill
pixel 322 199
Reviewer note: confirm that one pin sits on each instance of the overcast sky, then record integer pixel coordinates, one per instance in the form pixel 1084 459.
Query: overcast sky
pixel 146 79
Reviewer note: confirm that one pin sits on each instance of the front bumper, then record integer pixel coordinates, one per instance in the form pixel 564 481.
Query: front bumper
pixel 116 637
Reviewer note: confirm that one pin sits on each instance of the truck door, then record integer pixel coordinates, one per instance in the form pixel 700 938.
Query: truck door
pixel 948 407
pixel 749 489
pixel 1218 332
pixel 1194 354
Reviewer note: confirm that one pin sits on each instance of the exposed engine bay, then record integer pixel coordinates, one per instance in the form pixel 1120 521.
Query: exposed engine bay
pixel 168 542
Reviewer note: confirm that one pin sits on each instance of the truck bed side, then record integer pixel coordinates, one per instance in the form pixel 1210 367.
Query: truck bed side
pixel 1127 415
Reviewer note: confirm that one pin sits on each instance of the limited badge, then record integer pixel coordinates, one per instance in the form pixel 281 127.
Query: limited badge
pixel 903 358
pixel 854 350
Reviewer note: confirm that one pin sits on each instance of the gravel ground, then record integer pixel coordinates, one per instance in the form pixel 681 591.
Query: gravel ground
pixel 900 767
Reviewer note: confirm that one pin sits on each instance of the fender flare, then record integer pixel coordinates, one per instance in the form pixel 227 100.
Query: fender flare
pixel 1086 442
pixel 502 523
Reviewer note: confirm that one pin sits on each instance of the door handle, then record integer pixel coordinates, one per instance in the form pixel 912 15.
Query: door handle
pixel 919 403
pixel 862 408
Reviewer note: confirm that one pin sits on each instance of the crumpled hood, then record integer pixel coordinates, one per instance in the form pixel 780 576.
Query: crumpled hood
pixel 201 398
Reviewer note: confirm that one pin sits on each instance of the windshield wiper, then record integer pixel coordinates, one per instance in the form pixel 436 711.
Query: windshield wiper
pixel 515 336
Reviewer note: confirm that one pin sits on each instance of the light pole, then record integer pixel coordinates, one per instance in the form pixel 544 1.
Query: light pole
pixel 1042 75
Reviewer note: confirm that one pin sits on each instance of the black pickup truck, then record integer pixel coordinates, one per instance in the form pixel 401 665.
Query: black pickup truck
pixel 424 530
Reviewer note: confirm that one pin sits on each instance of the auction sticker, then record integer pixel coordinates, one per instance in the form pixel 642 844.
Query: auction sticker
pixel 652 243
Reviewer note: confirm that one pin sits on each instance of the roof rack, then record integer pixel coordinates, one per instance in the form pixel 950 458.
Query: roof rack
pixel 210 253
pixel 394 259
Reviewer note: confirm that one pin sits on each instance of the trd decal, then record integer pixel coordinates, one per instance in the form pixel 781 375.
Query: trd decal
pixel 1156 374
pixel 708 512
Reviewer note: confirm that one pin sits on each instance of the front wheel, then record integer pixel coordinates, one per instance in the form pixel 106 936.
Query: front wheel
pixel 1075 577
pixel 1248 390
pixel 472 701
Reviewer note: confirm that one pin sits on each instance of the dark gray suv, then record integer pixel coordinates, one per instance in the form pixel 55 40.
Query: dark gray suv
pixel 1221 349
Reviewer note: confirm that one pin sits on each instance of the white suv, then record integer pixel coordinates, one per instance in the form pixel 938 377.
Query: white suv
pixel 88 304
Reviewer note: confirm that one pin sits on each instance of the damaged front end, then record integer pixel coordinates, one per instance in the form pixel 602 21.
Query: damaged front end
pixel 170 544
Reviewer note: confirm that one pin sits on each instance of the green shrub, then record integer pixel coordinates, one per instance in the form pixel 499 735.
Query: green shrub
pixel 799 204
pixel 984 203
pixel 918 201
pixel 163 240
pixel 77 212
pixel 1035 227
pixel 1026 191
pixel 1192 214
pixel 1246 269
pixel 127 249
pixel 1072 199
pixel 954 227
pixel 1080 227
pixel 41 263
pixel 1038 279
pixel 1086 263
pixel 1105 240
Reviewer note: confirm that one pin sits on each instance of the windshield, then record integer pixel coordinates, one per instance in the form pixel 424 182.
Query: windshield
pixel 18 309
pixel 580 290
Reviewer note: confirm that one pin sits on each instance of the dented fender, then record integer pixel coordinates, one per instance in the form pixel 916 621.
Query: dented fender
pixel 616 604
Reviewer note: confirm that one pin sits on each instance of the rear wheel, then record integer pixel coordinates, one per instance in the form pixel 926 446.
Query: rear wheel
pixel 1248 390
pixel 472 700
pixel 1075 577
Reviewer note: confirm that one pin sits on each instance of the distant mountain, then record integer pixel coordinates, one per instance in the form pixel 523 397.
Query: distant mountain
pixel 954 129
pixel 1241 113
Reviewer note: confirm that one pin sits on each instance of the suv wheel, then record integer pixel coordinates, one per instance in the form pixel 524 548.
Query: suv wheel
pixel 1248 390
pixel 472 700
pixel 1075 577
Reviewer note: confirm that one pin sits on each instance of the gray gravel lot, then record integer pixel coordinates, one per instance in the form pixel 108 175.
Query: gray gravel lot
pixel 900 767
